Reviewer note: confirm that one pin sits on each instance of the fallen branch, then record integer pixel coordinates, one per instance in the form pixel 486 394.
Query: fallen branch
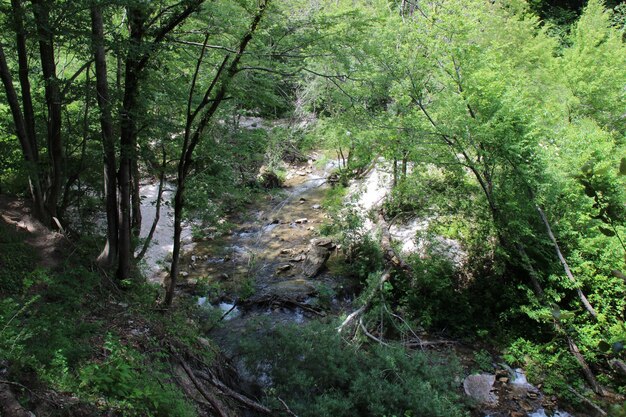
pixel 215 403
pixel 568 272
pixel 423 344
pixel 275 299
pixel 573 348
pixel 587 401
pixel 393 258
pixel 368 334
pixel 250 403
pixel 368 302
pixel 389 252
pixel 291 413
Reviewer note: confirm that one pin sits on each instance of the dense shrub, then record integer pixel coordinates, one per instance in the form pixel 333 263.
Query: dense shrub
pixel 318 374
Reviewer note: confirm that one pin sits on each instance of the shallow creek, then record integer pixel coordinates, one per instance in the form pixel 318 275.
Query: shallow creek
pixel 261 259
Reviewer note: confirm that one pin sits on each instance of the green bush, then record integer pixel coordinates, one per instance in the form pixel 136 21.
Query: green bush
pixel 318 374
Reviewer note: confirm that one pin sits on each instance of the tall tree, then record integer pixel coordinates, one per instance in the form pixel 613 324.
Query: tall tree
pixel 109 253
pixel 41 12
pixel 193 132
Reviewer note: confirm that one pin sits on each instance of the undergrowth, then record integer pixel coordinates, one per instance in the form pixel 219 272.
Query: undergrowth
pixel 318 374
pixel 64 331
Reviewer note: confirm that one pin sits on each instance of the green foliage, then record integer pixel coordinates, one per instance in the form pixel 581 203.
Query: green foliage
pixel 131 387
pixel 483 361
pixel 16 258
pixel 325 295
pixel 317 374
pixel 49 330
pixel 549 364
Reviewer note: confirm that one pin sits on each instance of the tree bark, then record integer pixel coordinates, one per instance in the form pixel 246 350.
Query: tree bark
pixel 136 20
pixel 136 198
pixel 24 122
pixel 108 256
pixel 27 104
pixel 41 12
pixel 22 136
pixel 22 57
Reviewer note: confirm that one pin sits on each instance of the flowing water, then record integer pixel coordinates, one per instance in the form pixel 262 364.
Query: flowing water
pixel 256 268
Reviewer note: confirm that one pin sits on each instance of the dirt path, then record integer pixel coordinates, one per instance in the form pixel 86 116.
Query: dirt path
pixel 49 245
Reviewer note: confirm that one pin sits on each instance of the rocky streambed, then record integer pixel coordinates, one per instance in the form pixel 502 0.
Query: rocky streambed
pixel 272 260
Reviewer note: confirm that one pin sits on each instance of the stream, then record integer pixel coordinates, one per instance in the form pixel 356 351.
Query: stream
pixel 249 275
pixel 254 268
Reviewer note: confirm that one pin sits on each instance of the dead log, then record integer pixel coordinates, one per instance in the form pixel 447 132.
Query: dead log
pixel 273 299
pixel 572 346
pixel 371 336
pixel 291 413
pixel 9 406
pixel 587 401
pixel 389 252
pixel 427 343
pixel 591 379
pixel 393 259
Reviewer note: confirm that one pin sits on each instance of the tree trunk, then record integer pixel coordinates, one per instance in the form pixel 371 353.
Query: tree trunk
pixel 41 13
pixel 136 199
pixel 29 113
pixel 128 136
pixel 14 105
pixel 22 56
pixel 404 165
pixel 24 123
pixel 157 214
pixel 108 255
pixel 136 62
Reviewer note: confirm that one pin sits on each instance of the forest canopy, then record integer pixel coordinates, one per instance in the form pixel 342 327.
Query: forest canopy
pixel 502 126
